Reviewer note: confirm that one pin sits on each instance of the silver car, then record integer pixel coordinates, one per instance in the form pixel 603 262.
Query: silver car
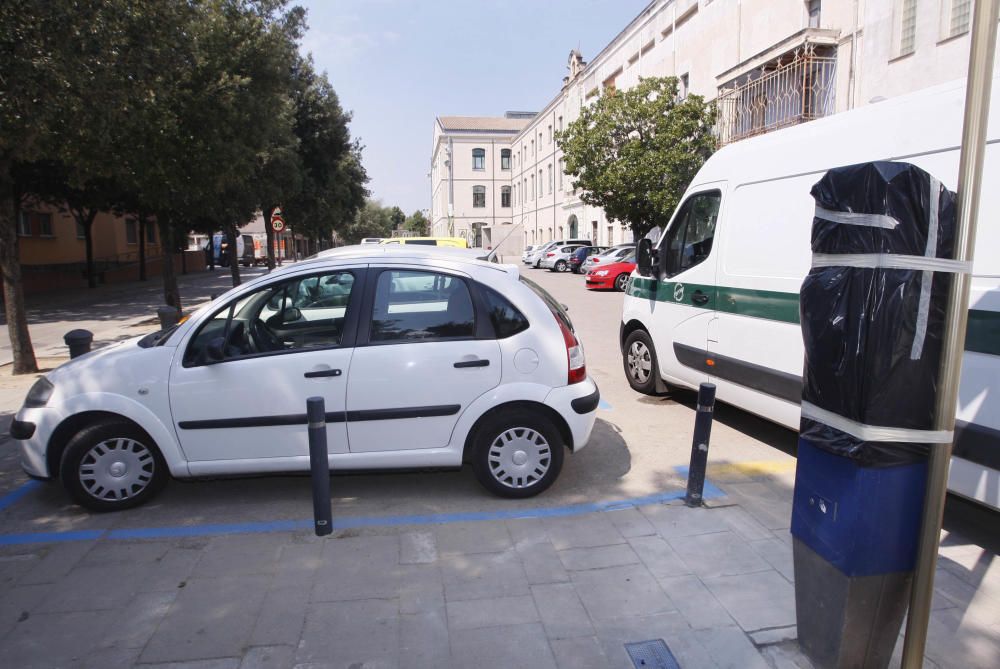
pixel 539 252
pixel 613 255
pixel 527 253
pixel 557 258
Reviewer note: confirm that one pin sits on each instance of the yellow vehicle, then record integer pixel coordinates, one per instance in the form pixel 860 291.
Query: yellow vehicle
pixel 454 242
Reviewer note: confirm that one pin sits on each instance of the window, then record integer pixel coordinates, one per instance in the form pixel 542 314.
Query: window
pixel 532 147
pixel 505 196
pixel 560 124
pixel 303 313
pixel 150 234
pixel 550 177
pixel 515 194
pixel 532 186
pixel 505 159
pixel 813 8
pixel 24 224
pixel 539 141
pixel 419 306
pixel 907 27
pixel 80 232
pixel 131 231
pixel 506 319
pixel 44 224
pixel 955 17
pixel 561 174
pixel 479 196
pixel 683 86
pixel 541 184
pixel 688 242
pixel 479 159
pixel 550 133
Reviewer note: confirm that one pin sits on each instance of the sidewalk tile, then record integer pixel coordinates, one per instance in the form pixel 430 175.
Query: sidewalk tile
pixel 58 562
pixel 103 658
pixel 53 640
pixel 94 589
pixel 951 634
pixel 583 531
pixel 502 648
pixel 473 537
pixel 363 580
pixel 620 592
pixel 298 563
pixel 423 591
pixel 677 520
pixel 579 653
pixel 769 507
pixel 473 613
pixel 125 552
pixel 631 523
pixel 788 656
pixel 774 635
pixel 282 615
pixel 613 635
pixel 562 611
pixel 542 563
pixel 21 600
pixel 423 641
pixel 269 657
pixel 698 606
pixel 730 647
pixel 527 531
pixel 483 576
pixel 173 569
pixel 136 623
pixel 355 633
pixel 743 523
pixel 215 663
pixel 239 555
pixel 777 554
pixel 417 548
pixel 759 601
pixel 719 554
pixel 576 559
pixel 209 618
pixel 661 560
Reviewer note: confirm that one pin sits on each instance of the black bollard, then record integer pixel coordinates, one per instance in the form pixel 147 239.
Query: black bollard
pixel 699 445
pixel 79 342
pixel 319 465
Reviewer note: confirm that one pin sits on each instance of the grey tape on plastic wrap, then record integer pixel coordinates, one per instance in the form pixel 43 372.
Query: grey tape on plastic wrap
pixel 875 432
pixel 930 251
pixel 890 261
pixel 851 218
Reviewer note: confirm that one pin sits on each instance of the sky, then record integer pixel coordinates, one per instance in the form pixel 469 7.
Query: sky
pixel 397 64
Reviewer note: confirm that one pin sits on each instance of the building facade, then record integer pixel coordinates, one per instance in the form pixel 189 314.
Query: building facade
pixel 768 64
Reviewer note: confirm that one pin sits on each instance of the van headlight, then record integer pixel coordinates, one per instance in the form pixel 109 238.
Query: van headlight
pixel 39 394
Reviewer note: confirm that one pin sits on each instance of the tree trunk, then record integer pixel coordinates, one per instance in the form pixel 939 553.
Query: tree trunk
pixel 269 232
pixel 10 267
pixel 234 260
pixel 85 217
pixel 141 225
pixel 171 291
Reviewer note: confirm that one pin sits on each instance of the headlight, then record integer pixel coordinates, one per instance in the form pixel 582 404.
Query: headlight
pixel 601 272
pixel 39 394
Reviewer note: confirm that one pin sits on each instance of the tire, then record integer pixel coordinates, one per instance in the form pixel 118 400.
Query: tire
pixel 508 434
pixel 126 449
pixel 560 266
pixel 621 282
pixel 639 362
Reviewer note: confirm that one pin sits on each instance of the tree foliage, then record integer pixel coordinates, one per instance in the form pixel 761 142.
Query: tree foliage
pixel 372 220
pixel 417 223
pixel 634 152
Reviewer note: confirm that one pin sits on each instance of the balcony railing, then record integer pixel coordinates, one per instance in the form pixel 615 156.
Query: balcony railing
pixel 795 88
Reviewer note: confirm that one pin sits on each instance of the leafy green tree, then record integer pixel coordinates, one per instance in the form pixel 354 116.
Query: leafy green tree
pixel 634 152
pixel 398 218
pixel 417 223
pixel 373 220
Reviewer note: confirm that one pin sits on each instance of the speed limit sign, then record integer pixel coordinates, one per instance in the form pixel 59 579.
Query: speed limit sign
pixel 277 222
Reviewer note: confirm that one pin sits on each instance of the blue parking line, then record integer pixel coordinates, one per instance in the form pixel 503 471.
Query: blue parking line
pixel 349 522
pixel 17 493
pixel 710 490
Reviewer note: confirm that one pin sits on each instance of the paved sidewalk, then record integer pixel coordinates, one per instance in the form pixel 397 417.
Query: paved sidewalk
pixel 563 591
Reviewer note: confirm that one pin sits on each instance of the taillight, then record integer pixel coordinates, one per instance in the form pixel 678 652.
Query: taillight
pixel 549 255
pixel 574 354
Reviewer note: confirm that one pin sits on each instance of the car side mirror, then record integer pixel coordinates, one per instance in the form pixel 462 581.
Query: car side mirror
pixel 291 314
pixel 644 260
pixel 216 349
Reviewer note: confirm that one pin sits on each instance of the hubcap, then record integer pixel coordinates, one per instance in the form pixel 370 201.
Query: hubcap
pixel 116 469
pixel 519 457
pixel 639 364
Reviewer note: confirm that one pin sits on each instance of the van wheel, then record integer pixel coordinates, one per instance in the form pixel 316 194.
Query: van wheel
pixel 112 465
pixel 517 453
pixel 621 282
pixel 639 359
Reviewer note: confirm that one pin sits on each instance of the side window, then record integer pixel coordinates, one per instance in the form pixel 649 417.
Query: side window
pixel 689 240
pixel 416 306
pixel 506 318
pixel 294 315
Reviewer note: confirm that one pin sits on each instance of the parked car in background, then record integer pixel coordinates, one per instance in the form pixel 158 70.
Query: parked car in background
pixel 557 258
pixel 371 240
pixel 581 254
pixel 612 255
pixel 418 351
pixel 528 250
pixel 454 242
pixel 612 275
pixel 539 252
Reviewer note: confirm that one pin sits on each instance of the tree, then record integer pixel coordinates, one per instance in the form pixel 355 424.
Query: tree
pixel 373 220
pixel 634 152
pixel 397 217
pixel 417 223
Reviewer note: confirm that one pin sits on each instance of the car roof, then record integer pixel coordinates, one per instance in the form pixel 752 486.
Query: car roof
pixel 372 252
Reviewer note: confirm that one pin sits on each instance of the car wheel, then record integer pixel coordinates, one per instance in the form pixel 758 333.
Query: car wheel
pixel 561 266
pixel 112 465
pixel 639 360
pixel 517 453
pixel 621 282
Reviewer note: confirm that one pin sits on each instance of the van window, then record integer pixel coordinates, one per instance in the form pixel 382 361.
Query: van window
pixel 688 242
pixel 422 242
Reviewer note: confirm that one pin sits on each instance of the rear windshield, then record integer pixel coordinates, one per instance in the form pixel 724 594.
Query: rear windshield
pixel 556 308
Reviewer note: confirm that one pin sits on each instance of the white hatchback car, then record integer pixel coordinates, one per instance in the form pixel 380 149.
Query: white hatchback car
pixel 424 359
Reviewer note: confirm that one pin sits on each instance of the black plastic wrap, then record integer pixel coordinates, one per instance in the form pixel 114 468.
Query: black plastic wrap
pixel 859 325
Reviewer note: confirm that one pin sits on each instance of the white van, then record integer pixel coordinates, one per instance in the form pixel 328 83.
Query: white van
pixel 724 305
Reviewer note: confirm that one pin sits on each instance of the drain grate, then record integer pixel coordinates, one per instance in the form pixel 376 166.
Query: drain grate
pixel 654 654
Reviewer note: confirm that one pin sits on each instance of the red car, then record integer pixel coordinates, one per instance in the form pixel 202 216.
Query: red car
pixel 613 275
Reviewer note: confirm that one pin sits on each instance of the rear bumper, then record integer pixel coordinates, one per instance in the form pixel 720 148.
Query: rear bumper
pixel 577 404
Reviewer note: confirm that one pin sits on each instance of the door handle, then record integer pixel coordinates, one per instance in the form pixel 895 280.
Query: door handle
pixel 321 373
pixel 699 297
pixel 472 363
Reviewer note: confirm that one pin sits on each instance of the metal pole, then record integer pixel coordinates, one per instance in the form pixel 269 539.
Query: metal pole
pixel 970 168
pixel 699 444
pixel 319 466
